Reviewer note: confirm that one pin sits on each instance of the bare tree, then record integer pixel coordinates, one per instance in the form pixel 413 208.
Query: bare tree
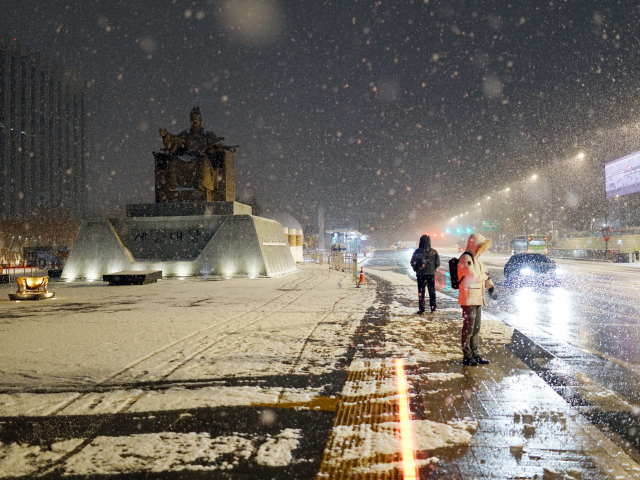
pixel 44 227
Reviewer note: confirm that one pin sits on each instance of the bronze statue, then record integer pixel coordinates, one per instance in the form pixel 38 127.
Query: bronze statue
pixel 194 141
pixel 194 164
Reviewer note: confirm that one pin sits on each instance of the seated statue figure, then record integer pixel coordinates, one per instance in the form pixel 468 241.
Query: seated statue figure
pixel 192 160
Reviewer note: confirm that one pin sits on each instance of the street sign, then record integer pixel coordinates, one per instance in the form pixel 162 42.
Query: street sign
pixel 490 226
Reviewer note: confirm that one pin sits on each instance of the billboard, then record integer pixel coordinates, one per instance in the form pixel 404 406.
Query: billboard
pixel 622 176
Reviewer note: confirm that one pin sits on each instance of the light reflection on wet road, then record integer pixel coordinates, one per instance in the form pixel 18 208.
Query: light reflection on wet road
pixel 593 310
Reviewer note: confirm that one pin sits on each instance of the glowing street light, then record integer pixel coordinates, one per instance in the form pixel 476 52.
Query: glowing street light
pixel 507 189
pixel 533 177
pixel 488 198
pixel 580 156
pixel 478 203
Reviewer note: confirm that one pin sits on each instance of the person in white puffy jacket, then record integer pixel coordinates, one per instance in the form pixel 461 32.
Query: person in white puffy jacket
pixel 474 279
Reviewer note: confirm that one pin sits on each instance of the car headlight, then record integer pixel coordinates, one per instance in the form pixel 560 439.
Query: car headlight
pixel 526 271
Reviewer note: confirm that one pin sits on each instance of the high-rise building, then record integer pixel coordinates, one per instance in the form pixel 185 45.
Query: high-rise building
pixel 42 133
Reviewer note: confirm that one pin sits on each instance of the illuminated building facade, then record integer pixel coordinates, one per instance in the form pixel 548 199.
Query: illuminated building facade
pixel 42 134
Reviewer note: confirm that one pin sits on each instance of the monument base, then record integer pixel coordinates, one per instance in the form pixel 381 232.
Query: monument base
pixel 182 209
pixel 182 246
pixel 31 295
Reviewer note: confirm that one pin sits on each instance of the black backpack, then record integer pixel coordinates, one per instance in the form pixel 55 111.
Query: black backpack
pixel 453 271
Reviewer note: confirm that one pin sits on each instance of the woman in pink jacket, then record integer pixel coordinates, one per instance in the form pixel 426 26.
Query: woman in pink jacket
pixel 473 281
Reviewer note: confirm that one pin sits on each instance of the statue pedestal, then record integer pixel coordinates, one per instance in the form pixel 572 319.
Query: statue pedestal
pixel 181 209
pixel 181 239
pixel 31 296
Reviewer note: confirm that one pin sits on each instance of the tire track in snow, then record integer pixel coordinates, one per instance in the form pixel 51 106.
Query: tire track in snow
pixel 201 349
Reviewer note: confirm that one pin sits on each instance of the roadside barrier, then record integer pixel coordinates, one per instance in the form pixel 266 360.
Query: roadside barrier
pixel 9 274
pixel 341 261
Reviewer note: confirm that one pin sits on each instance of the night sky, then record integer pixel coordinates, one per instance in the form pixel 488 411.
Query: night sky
pixel 388 111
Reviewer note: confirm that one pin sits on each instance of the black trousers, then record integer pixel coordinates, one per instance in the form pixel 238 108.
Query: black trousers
pixel 428 281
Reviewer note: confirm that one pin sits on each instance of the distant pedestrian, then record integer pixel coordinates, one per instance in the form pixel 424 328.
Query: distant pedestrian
pixel 425 261
pixel 473 281
pixel 636 252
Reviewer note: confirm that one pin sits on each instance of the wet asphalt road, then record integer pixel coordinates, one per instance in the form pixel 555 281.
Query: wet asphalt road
pixel 596 307
pixel 585 332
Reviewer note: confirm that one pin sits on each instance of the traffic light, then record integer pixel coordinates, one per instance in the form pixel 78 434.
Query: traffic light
pixel 458 230
pixel 447 231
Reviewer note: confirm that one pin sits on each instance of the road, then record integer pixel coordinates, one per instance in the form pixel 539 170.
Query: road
pixel 587 332
pixel 596 307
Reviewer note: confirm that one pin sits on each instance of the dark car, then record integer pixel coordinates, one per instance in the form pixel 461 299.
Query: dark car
pixel 531 269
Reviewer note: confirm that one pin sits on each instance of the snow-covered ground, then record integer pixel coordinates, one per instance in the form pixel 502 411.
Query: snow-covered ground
pixel 178 345
pixel 203 375
pixel 178 330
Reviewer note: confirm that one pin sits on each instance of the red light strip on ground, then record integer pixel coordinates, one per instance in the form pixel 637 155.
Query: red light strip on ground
pixel 409 468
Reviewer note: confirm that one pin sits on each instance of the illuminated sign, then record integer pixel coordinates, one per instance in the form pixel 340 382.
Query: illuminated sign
pixel 622 176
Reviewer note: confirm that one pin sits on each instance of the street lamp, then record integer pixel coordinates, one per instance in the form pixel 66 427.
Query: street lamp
pixel 533 177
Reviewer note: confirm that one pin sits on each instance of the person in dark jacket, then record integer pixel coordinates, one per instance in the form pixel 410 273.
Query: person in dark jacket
pixel 425 261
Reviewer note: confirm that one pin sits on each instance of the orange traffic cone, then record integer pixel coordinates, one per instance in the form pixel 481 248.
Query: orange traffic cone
pixel 362 281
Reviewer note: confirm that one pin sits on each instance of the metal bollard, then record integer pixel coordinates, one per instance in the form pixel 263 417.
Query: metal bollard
pixel 355 267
